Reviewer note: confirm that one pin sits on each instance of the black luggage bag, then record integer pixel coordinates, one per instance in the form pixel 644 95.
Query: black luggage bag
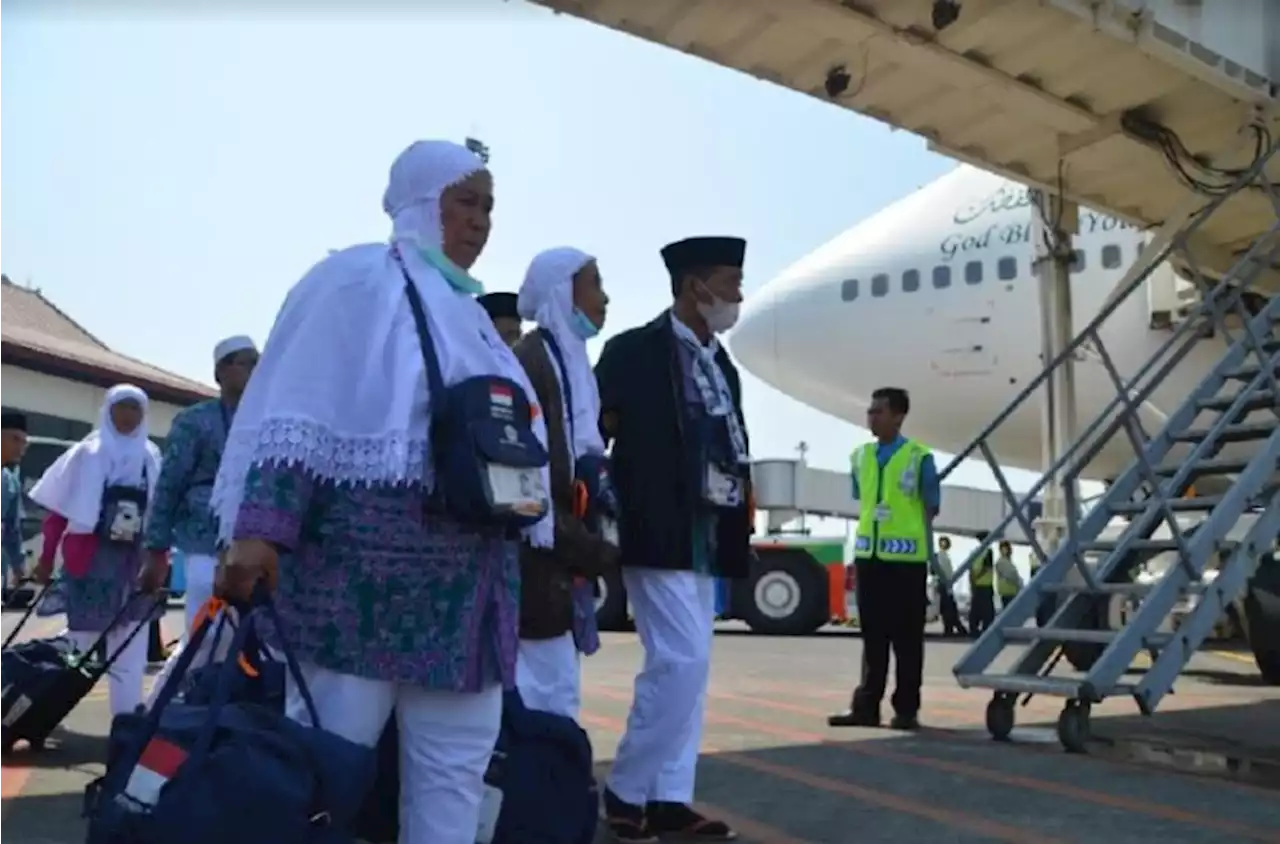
pixel 44 679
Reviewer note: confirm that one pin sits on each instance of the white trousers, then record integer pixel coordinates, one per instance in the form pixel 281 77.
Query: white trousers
pixel 446 742
pixel 548 675
pixel 124 689
pixel 200 572
pixel 675 616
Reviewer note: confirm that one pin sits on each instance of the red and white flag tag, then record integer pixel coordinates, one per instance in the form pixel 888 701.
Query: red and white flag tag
pixel 160 760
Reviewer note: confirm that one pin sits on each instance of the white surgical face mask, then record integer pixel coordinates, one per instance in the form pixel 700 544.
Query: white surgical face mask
pixel 719 314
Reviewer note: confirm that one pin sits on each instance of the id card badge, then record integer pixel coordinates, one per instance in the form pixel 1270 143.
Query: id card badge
pixel 126 522
pixel 723 490
pixel 609 531
pixel 517 488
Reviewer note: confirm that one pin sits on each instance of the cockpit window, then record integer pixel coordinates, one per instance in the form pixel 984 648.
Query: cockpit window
pixel 880 285
pixel 941 277
pixel 910 281
pixel 1007 269
pixel 849 289
pixel 973 272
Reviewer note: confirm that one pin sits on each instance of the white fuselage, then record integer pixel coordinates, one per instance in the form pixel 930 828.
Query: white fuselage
pixel 936 294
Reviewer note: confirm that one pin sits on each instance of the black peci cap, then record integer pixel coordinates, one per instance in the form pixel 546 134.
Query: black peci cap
pixel 500 305
pixel 704 252
pixel 12 420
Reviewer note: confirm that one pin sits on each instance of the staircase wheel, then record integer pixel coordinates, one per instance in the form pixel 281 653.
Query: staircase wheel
pixel 1073 727
pixel 1000 716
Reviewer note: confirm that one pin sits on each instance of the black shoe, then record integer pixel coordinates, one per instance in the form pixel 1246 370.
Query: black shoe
pixel 626 821
pixel 683 823
pixel 853 718
pixel 905 722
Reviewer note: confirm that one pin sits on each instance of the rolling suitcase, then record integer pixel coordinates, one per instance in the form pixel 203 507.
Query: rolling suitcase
pixel 44 679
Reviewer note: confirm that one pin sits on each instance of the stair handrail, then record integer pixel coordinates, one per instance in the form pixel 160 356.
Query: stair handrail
pixel 1207 303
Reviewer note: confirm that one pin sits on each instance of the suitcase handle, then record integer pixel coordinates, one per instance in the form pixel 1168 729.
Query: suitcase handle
pixel 31 608
pixel 160 598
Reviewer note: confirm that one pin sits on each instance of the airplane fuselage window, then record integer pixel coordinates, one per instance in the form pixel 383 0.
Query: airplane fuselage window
pixel 1111 256
pixel 973 272
pixel 1007 269
pixel 941 277
pixel 1077 261
pixel 849 289
pixel 910 281
pixel 880 285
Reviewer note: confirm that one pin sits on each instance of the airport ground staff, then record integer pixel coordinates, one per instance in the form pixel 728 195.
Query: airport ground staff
pixel 13 441
pixel 563 295
pixel 180 515
pixel 671 401
pixel 97 495
pixel 895 481
pixel 502 309
pixel 951 625
pixel 1008 579
pixel 390 598
pixel 982 592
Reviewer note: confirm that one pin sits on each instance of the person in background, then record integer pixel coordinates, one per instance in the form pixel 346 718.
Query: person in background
pixel 503 309
pixel 895 481
pixel 13 440
pixel 180 514
pixel 390 601
pixel 1008 580
pixel 1048 603
pixel 97 494
pixel 951 625
pixel 671 401
pixel 563 295
pixel 982 594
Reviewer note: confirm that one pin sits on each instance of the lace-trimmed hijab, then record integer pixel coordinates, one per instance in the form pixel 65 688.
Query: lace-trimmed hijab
pixel 340 390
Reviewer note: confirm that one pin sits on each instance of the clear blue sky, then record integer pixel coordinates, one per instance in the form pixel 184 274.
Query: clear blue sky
pixel 169 176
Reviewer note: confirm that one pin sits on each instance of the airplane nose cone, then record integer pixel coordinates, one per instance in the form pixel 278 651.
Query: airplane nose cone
pixel 754 340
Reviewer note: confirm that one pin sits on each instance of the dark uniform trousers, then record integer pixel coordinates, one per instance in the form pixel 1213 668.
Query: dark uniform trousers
pixel 892 605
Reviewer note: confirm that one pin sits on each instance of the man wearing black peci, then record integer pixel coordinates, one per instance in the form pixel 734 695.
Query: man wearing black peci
pixel 671 402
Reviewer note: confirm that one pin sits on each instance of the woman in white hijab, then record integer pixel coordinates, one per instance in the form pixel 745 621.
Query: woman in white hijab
pixel 97 494
pixel 390 602
pixel 564 296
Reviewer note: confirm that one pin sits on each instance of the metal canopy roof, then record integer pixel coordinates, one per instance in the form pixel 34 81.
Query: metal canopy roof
pixel 1014 86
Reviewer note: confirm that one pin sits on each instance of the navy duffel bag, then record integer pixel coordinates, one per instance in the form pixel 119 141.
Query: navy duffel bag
pixel 228 772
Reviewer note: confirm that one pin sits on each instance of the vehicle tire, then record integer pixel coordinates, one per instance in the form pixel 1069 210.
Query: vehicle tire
pixel 611 603
pixel 785 593
pixel 1262 620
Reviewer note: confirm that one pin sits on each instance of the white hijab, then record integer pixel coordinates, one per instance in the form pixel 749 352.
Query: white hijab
pixel 72 487
pixel 340 389
pixel 546 298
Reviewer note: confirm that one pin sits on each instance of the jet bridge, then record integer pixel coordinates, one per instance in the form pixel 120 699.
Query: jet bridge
pixel 786 489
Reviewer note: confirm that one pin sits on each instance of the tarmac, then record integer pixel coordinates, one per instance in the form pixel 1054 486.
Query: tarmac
pixel 1205 768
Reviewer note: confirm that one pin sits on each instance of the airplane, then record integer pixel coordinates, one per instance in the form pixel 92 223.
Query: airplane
pixel 936 294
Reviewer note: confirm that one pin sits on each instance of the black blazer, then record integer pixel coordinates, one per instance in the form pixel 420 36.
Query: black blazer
pixel 641 386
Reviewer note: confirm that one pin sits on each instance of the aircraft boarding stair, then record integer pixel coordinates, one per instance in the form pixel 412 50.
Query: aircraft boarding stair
pixel 1237 406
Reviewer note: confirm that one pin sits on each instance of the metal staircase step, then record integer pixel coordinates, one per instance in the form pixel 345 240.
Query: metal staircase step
pixel 1177 505
pixel 1255 401
pixel 1107 589
pixel 1212 466
pixel 1107 545
pixel 1249 371
pixel 1068 687
pixel 1242 432
pixel 1088 637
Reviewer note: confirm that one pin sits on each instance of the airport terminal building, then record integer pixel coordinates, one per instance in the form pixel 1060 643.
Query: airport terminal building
pixel 57 373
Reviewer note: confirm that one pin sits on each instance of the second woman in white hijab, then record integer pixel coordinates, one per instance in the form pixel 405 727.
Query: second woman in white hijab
pixel 97 495
pixel 564 296
pixel 327 483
